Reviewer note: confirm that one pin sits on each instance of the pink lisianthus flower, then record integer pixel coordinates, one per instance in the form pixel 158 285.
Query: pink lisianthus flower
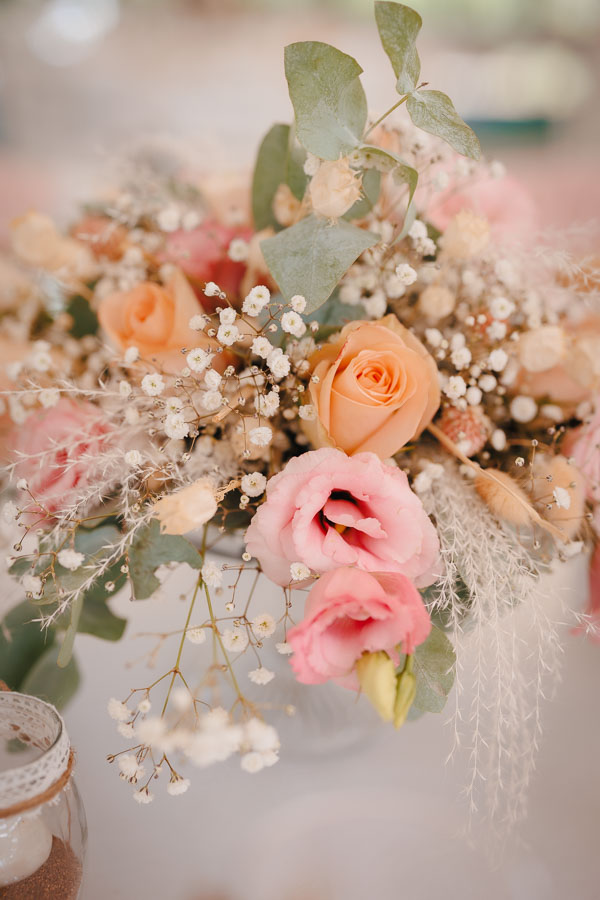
pixel 58 448
pixel 348 613
pixel 202 254
pixel 326 510
pixel 508 207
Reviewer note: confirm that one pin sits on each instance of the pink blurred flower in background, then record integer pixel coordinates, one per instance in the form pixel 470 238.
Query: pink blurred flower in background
pixel 59 447
pixel 348 613
pixel 326 509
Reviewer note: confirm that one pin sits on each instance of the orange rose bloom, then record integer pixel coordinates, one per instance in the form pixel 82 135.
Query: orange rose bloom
pixel 378 389
pixel 156 319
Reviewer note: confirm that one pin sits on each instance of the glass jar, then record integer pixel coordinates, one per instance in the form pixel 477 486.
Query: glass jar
pixel 42 823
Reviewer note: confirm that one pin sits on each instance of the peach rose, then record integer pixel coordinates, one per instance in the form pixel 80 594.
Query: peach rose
pixel 377 389
pixel 187 509
pixel 156 319
pixel 334 189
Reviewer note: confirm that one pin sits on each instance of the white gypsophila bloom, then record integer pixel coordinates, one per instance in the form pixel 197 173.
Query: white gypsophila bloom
pixel 178 786
pixel 49 397
pixel 176 427
pixel 406 274
pixel 18 413
pixel 196 635
pixel 434 337
pixel 228 334
pixel 213 743
pixel 260 737
pixel 235 639
pixel 10 511
pixel 117 710
pixel 298 303
pixel 299 571
pixel 278 363
pixel 32 584
pixel 128 765
pixel 269 758
pixel 422 482
pixel 132 415
pixel 198 322
pixel 260 436
pixel 308 412
pixel 497 360
pixel 393 286
pixel 487 383
pixel 70 559
pixel 553 411
pixel 131 355
pixel 198 359
pixel 211 289
pixel 22 484
pixel 144 706
pixel 133 458
pixel 311 164
pixel 181 699
pixel 263 625
pixel 238 250
pixel 418 230
pixel 125 388
pixel 496 331
pixel 169 218
pixel 506 273
pixel 227 316
pixel 261 675
pixel 284 648
pixel 375 305
pixel 153 384
pixel 252 762
pixel 190 220
pixel 126 730
pixel 143 796
pixel 253 484
pixel 151 730
pixel 173 404
pixel 458 341
pixel 261 346
pixel 562 497
pixel 461 357
pixel 523 409
pixel 455 387
pixel 501 307
pixel 350 293
pixel 212 574
pixel 256 300
pixel 212 379
pixel 267 404
pixel 498 440
pixel 293 324
pixel 211 400
pixel 474 395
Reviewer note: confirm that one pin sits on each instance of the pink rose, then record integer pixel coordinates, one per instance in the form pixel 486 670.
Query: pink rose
pixel 348 613
pixel 202 254
pixel 326 509
pixel 60 446
pixel 583 447
pixel 504 202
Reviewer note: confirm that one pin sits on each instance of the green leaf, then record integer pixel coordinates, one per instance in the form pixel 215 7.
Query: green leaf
pixel 328 99
pixel 399 27
pixel 22 643
pixel 97 619
pixel 85 320
pixel 310 258
pixel 152 549
pixel 433 664
pixel 49 682
pixel 434 112
pixel 371 184
pixel 278 162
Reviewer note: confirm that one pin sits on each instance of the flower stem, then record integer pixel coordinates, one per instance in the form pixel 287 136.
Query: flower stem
pixel 385 115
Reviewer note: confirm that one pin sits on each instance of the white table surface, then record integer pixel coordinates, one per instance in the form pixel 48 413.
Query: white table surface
pixel 380 820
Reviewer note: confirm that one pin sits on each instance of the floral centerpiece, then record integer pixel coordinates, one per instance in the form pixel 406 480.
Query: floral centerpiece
pixel 366 365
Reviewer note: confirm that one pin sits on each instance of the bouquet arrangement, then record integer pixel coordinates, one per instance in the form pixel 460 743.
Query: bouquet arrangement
pixel 366 365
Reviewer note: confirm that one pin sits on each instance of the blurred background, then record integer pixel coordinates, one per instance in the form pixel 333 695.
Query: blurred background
pixel 82 79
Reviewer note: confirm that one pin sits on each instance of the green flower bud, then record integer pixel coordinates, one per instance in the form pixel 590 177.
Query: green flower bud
pixel 405 695
pixel 377 676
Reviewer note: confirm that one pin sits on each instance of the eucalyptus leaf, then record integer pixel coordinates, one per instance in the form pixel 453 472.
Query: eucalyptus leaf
pixel 329 102
pixel 310 258
pixel 434 112
pixel 399 27
pixel 279 161
pixel 49 682
pixel 433 664
pixel 22 643
pixel 371 184
pixel 152 549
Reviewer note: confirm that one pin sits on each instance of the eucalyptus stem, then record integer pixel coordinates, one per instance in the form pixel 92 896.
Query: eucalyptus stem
pixel 385 115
